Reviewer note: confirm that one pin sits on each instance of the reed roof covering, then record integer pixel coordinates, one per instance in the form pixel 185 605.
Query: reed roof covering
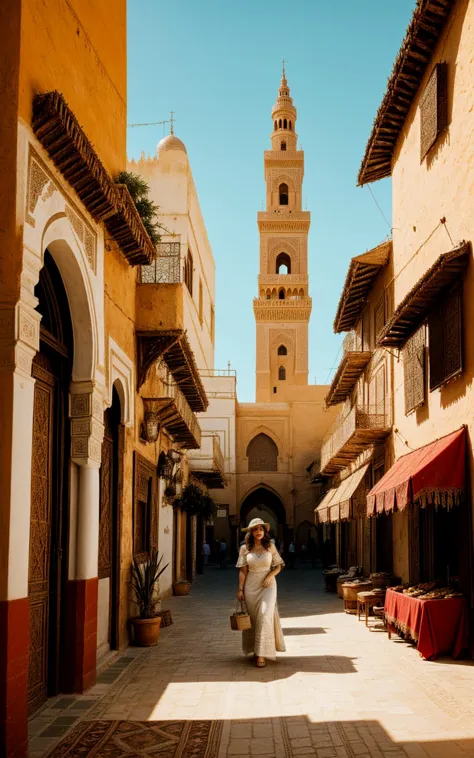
pixel 60 133
pixel 363 270
pixel 416 305
pixel 172 345
pixel 350 368
pixel 423 33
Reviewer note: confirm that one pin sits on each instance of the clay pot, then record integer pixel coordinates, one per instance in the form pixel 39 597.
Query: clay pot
pixel 181 588
pixel 146 631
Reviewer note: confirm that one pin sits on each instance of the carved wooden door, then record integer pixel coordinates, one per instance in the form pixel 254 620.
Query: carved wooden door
pixel 40 530
pixel 106 509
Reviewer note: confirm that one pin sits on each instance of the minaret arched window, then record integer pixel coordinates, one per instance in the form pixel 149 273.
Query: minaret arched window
pixel 276 125
pixel 283 145
pixel 291 128
pixel 282 374
pixel 281 294
pixel 285 124
pixel 279 123
pixel 283 264
pixel 282 350
pixel 283 193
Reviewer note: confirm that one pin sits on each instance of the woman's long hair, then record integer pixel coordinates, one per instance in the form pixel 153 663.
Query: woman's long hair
pixel 250 540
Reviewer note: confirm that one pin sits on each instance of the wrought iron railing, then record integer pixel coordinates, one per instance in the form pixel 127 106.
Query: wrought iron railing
pixel 346 423
pixel 166 268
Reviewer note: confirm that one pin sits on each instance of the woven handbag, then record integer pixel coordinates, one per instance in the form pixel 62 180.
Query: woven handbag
pixel 240 620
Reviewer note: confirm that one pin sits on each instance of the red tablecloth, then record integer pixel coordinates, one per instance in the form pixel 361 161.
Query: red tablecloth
pixel 437 626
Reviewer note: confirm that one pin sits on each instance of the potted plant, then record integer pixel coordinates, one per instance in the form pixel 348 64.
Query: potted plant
pixel 146 626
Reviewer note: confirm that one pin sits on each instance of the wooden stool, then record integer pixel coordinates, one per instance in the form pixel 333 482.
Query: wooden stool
pixel 366 601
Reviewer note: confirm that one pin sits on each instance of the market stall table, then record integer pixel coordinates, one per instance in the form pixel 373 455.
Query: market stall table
pixel 437 626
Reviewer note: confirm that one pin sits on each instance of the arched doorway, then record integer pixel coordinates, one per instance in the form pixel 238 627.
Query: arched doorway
pixel 265 504
pixel 49 521
pixel 109 527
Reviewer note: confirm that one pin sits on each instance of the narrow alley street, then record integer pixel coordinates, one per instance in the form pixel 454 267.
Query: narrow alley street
pixel 339 691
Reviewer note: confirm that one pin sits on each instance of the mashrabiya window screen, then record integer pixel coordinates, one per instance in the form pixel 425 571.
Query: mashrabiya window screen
pixel 165 269
pixel 433 108
pixel 262 454
pixel 414 370
pixel 445 339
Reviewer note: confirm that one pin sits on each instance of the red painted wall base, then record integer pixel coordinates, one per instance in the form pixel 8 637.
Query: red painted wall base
pixel 14 640
pixel 80 648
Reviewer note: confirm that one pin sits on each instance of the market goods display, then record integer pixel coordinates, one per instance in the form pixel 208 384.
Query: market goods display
pixel 430 590
pixel 330 577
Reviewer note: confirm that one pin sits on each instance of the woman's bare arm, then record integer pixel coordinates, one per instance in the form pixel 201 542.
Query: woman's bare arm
pixel 243 571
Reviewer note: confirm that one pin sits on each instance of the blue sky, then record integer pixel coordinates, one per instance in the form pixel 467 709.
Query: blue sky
pixel 217 65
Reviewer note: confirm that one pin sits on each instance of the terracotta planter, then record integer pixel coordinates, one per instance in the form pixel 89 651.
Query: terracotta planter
pixel 181 588
pixel 146 631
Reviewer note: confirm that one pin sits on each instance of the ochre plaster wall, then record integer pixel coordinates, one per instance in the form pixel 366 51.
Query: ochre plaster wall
pixel 423 193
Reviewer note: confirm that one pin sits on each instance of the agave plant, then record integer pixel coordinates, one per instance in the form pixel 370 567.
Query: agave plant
pixel 144 578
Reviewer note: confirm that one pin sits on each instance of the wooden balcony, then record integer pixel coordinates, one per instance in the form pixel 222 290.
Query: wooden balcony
pixel 174 414
pixel 353 362
pixel 351 433
pixel 207 463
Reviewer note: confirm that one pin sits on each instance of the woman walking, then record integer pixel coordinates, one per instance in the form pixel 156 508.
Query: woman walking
pixel 259 563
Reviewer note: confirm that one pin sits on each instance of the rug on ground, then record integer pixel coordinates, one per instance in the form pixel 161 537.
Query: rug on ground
pixel 144 739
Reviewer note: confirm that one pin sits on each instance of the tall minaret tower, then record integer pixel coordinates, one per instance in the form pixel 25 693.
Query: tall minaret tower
pixel 283 307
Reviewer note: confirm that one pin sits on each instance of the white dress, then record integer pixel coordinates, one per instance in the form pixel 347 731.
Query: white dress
pixel 266 635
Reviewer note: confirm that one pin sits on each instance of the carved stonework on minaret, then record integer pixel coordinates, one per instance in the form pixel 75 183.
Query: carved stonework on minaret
pixel 283 306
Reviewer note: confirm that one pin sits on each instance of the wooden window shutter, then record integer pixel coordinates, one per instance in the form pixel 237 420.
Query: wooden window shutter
pixel 379 317
pixel 445 329
pixel 414 370
pixel 380 391
pixel 433 108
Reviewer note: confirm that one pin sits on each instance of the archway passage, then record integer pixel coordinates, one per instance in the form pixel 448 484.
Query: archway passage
pixel 49 523
pixel 265 504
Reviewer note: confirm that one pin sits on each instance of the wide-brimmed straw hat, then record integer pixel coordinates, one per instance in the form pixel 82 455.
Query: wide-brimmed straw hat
pixel 256 522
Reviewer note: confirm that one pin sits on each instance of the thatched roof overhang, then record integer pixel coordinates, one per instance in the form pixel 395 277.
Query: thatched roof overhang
pixel 417 304
pixel 363 271
pixel 178 420
pixel 58 130
pixel 214 480
pixel 423 33
pixel 347 374
pixel 173 347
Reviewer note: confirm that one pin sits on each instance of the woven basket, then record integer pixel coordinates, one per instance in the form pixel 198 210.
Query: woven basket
pixel 240 620
pixel 166 619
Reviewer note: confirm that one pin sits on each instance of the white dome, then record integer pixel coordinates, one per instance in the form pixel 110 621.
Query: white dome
pixel 171 142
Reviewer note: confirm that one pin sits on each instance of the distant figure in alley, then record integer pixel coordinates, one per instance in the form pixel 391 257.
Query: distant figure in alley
pixel 206 551
pixel 223 554
pixel 259 563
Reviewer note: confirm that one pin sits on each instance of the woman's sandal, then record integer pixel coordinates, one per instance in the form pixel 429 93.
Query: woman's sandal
pixel 260 662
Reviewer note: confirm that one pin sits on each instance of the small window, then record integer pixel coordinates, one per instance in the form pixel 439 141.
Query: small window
pixel 445 339
pixel 283 264
pixel 281 374
pixel 274 390
pixel 188 272
pixel 291 127
pixel 276 125
pixel 279 123
pixel 283 194
pixel 281 294
pixel 285 124
pixel 200 301
pixel 283 145
pixel 282 350
pixel 433 109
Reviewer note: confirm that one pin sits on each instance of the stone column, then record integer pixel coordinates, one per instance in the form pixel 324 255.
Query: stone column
pixel 19 341
pixel 86 411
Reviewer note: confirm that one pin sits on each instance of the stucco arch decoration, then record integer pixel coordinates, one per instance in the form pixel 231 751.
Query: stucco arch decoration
pixel 121 375
pixel 285 338
pixel 283 179
pixel 263 429
pixel 282 245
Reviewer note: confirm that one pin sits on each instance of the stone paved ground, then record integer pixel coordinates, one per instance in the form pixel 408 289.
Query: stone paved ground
pixel 339 691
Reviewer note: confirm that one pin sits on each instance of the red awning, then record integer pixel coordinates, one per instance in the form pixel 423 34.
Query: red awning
pixel 434 474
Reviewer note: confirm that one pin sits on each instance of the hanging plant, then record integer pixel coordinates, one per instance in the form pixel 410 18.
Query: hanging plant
pixel 196 502
pixel 147 209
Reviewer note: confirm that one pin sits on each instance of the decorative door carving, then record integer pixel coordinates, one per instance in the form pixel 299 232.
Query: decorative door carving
pixel 106 500
pixel 40 530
